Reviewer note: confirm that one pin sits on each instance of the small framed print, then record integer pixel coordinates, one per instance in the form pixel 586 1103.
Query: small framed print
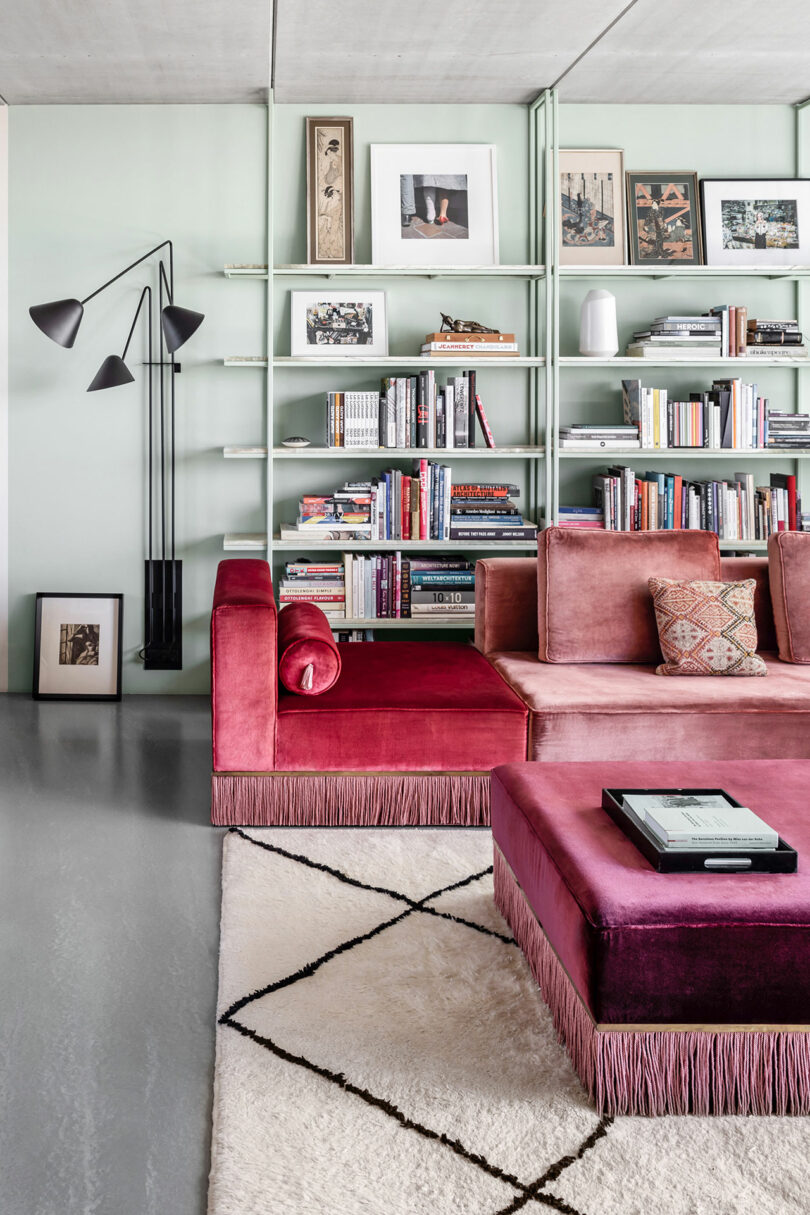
pixel 78 646
pixel 434 204
pixel 756 221
pixel 663 219
pixel 591 207
pixel 326 324
pixel 330 192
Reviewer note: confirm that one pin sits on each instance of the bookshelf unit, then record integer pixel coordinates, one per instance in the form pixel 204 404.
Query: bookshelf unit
pixel 514 389
pixel 549 384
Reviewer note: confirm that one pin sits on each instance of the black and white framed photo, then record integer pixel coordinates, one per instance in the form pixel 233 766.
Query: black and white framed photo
pixel 328 323
pixel 78 646
pixel 756 221
pixel 434 204
pixel 663 220
pixel 591 207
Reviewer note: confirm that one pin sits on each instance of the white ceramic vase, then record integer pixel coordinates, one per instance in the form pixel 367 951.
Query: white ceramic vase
pixel 598 335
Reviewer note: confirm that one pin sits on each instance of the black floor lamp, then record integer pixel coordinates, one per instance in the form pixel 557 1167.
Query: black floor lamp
pixel 163 574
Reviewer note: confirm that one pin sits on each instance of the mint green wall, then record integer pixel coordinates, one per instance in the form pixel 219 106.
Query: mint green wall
pixel 92 187
pixel 713 141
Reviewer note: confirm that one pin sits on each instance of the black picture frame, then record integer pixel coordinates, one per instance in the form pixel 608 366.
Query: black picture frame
pixel 672 180
pixel 764 258
pixel 41 598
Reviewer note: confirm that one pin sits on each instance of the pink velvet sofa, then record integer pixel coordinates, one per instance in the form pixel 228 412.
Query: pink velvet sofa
pixel 563 669
pixel 408 734
pixel 583 605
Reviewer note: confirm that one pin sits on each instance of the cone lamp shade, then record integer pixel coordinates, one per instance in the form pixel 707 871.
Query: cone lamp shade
pixel 59 320
pixel 178 325
pixel 112 373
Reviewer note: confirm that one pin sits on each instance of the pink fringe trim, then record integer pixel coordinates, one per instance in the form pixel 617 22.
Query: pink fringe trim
pixel 660 1071
pixel 352 800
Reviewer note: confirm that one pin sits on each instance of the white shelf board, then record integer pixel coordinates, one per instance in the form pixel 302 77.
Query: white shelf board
pixel 410 546
pixel 674 271
pixel 299 270
pixel 394 361
pixel 624 361
pixel 244 542
pixel 747 546
pixel 410 361
pixel 400 453
pixel 407 622
pixel 687 453
pixel 245 270
pixel 245 453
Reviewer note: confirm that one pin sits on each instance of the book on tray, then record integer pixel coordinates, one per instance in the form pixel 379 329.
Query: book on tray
pixel 409 411
pixel 698 830
pixel 735 508
pixel 425 505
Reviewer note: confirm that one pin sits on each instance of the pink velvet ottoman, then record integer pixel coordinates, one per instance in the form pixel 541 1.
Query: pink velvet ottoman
pixel 673 993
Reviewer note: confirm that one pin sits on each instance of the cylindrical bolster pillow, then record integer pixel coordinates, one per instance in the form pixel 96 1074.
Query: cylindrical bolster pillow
pixel 308 659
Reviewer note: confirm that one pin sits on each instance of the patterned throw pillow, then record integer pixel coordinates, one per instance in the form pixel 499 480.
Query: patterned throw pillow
pixel 706 628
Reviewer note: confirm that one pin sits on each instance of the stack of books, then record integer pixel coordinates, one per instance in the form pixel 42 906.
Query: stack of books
pixel 731 414
pixel 584 437
pixel 392 586
pixel 700 822
pixel 409 411
pixel 347 635
pixel 322 583
pixel 482 345
pixel 678 337
pixel 582 517
pixel 422 506
pixel 788 430
pixel 775 339
pixel 487 512
pixel 736 509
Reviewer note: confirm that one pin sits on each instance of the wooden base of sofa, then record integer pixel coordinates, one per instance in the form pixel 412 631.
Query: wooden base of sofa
pixel 350 799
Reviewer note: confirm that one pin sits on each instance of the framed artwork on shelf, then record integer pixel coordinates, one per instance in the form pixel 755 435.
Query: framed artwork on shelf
pixel 663 219
pixel 325 324
pixel 330 191
pixel 591 207
pixel 78 646
pixel 434 204
pixel 756 221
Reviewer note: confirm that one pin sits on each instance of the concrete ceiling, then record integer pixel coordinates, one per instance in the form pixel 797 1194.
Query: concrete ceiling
pixel 173 51
pixel 121 52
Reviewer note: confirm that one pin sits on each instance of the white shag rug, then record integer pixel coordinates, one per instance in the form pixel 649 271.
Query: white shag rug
pixel 383 1050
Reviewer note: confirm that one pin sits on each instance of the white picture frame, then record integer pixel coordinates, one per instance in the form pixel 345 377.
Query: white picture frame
pixel 78 646
pixel 583 243
pixel 732 228
pixel 407 180
pixel 351 322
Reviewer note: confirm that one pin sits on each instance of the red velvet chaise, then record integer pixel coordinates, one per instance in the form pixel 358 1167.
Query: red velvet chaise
pixel 408 735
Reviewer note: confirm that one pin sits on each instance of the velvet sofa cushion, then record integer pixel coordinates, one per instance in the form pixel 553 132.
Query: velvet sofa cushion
pixel 643 947
pixel 404 706
pixel 308 656
pixel 706 628
pixel 622 711
pixel 789 566
pixel 593 603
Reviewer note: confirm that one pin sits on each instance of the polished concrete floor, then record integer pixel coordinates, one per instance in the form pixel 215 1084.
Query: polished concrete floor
pixel 109 889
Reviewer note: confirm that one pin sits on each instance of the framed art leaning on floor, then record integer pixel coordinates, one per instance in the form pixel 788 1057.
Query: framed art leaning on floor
pixel 78 646
pixel 434 204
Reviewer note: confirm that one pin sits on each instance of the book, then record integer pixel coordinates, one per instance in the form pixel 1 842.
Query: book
pixel 484 423
pixel 484 352
pixel 681 353
pixel 700 821
pixel 524 532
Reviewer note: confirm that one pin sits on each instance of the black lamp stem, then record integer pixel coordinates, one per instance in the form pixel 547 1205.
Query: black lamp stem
pixel 146 291
pixel 131 266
